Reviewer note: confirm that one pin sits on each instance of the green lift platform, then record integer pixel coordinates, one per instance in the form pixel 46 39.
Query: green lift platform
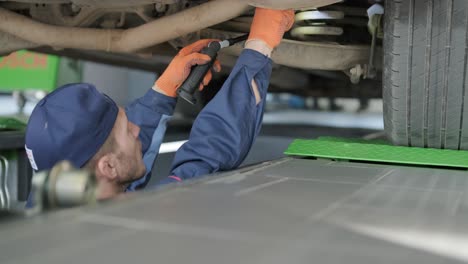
pixel 376 151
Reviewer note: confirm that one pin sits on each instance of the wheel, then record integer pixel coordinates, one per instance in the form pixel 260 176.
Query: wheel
pixel 425 66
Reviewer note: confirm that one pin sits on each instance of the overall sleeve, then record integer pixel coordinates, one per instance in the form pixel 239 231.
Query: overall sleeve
pixel 226 128
pixel 151 113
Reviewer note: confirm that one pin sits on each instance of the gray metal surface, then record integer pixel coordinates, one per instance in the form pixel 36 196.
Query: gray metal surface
pixel 4 192
pixel 286 211
pixel 9 187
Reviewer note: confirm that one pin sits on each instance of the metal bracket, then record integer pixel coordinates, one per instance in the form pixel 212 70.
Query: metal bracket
pixel 62 186
pixel 375 13
pixel 4 192
pixel 356 73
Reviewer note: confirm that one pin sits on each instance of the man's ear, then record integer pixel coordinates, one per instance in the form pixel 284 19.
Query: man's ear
pixel 106 167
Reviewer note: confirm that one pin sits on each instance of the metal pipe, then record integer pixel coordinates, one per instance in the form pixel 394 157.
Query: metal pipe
pixel 182 23
pixel 57 36
pixel 130 40
pixel 11 43
pixel 308 55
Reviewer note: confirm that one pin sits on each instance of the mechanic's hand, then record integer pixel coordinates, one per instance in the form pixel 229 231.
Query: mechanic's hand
pixel 179 68
pixel 269 25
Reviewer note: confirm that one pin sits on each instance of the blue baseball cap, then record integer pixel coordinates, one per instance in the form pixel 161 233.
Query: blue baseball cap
pixel 71 123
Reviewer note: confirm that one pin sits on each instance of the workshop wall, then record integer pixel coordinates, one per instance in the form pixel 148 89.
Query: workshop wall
pixel 120 83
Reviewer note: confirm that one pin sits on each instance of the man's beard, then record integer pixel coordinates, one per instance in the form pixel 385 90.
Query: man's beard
pixel 132 171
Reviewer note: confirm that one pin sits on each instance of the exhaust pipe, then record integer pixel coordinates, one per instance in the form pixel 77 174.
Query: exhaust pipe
pixel 116 40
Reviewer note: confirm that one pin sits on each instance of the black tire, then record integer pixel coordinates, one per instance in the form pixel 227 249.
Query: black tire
pixel 424 90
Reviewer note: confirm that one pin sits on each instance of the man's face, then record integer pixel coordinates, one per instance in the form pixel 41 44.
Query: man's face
pixel 131 166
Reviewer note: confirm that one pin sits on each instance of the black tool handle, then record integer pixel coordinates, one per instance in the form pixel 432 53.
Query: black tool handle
pixel 198 72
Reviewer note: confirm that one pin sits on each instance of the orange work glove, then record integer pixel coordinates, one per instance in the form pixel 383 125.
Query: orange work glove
pixel 269 25
pixel 179 68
